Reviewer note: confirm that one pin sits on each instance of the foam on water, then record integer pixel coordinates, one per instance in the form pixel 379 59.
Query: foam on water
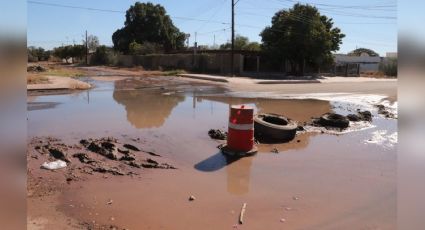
pixel 383 138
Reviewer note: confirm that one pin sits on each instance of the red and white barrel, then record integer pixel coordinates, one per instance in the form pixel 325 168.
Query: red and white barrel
pixel 240 137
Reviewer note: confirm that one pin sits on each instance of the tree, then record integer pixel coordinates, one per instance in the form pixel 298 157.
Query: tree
pixel 92 42
pixel 389 67
pixel 103 56
pixel 241 43
pixel 70 51
pixel 302 36
pixel 146 22
pixel 359 51
pixel 145 48
pixel 37 54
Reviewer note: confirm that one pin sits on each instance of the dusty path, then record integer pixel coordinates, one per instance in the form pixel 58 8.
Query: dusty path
pixel 338 85
pixel 60 83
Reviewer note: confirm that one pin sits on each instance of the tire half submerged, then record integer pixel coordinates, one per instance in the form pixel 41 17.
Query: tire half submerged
pixel 274 128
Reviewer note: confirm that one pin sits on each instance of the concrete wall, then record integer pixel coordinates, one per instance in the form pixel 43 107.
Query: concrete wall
pixel 367 63
pixel 369 67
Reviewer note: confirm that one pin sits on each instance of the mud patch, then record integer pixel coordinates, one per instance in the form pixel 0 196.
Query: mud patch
pixel 104 155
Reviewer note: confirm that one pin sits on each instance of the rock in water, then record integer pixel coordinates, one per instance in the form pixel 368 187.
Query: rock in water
pixel 217 134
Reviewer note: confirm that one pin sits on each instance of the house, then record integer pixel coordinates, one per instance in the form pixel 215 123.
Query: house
pixel 365 62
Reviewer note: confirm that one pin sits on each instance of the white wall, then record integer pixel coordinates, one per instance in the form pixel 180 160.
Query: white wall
pixel 367 63
pixel 341 58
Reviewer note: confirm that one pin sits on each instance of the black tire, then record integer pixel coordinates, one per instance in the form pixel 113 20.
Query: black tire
pixel 334 120
pixel 274 128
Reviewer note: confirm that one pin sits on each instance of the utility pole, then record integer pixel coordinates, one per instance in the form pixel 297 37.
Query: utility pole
pixel 196 44
pixel 232 64
pixel 87 50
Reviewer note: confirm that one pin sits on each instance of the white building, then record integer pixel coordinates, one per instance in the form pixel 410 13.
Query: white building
pixel 391 55
pixel 366 62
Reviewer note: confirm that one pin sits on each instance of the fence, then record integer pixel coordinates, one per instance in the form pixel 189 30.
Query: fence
pixel 254 65
pixel 206 63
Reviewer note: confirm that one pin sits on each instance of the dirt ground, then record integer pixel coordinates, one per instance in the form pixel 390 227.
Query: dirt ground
pixel 138 149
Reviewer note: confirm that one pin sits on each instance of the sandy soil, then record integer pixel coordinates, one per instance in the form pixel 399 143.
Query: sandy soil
pixel 55 82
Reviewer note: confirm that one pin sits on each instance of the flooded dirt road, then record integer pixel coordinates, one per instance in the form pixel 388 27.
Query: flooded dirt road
pixel 317 181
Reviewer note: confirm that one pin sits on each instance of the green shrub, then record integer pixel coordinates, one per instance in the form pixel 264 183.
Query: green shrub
pixel 104 56
pixel 389 67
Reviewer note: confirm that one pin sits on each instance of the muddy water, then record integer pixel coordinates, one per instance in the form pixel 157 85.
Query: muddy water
pixel 317 181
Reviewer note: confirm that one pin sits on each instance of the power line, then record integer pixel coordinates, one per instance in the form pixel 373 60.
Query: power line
pixel 117 11
pixel 212 16
pixel 215 31
pixel 344 13
pixel 341 6
pixel 74 7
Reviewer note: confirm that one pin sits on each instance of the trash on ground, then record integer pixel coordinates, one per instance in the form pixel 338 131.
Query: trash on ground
pixel 58 164
pixel 36 68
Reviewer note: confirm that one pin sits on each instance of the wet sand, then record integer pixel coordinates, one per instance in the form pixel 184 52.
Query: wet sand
pixel 317 181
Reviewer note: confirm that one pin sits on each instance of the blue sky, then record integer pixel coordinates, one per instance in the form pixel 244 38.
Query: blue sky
pixel 366 23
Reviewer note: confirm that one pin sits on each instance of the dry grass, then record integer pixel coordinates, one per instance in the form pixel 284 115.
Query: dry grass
pixel 57 70
pixel 37 79
pixel 174 72
pixel 373 74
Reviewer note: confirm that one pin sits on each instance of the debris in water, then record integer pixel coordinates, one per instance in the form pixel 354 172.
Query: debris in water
pixel 282 220
pixel 220 146
pixel 384 111
pixel 242 213
pixel 275 150
pixel 192 198
pixel 332 120
pixel 360 116
pixel 217 134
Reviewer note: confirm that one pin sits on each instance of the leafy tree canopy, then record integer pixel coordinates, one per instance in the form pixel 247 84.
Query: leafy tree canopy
pixel 359 51
pixel 37 54
pixel 146 22
pixel 74 51
pixel 145 48
pixel 242 43
pixel 302 36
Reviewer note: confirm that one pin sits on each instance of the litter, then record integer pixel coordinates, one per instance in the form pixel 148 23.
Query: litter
pixel 54 165
pixel 242 213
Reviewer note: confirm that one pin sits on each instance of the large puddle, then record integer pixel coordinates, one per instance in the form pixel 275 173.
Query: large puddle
pixel 338 176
